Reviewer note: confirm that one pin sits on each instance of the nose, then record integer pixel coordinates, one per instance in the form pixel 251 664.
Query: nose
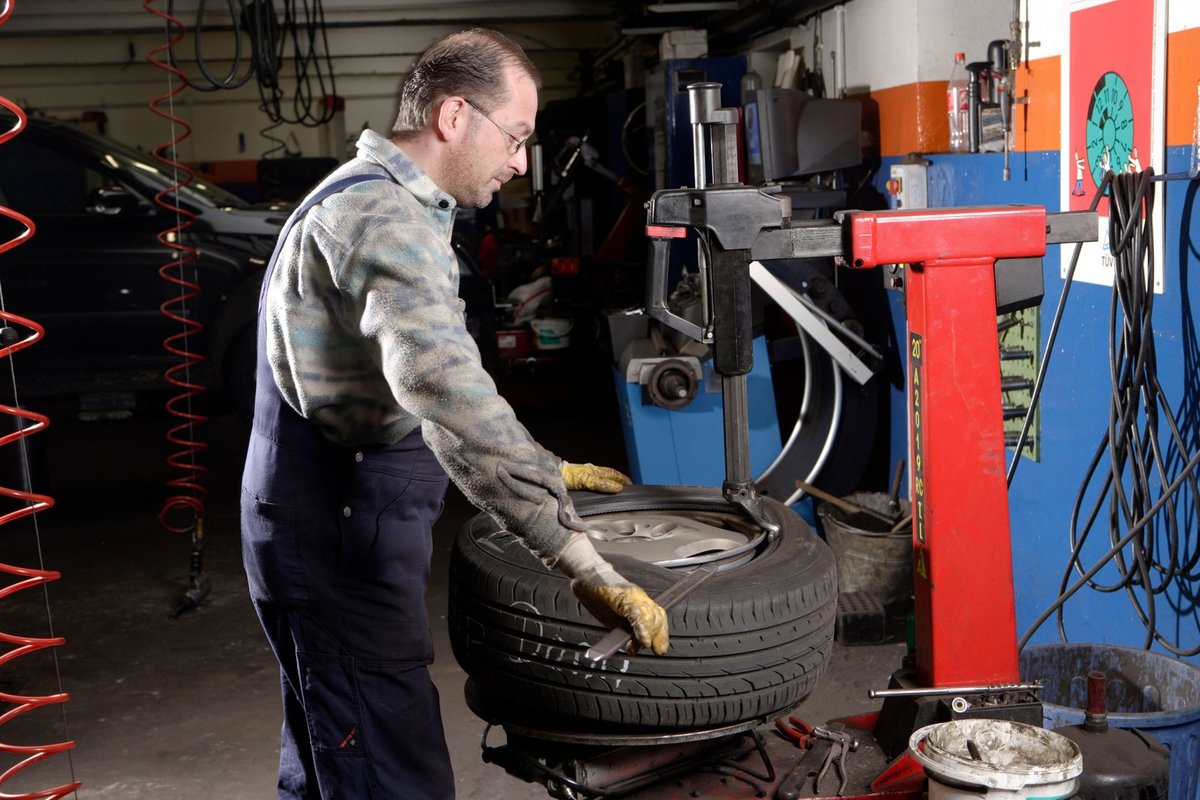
pixel 519 161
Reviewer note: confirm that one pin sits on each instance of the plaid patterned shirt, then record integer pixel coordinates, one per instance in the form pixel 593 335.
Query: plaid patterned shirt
pixel 367 339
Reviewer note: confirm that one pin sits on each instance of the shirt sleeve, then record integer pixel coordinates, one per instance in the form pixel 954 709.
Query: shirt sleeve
pixel 399 280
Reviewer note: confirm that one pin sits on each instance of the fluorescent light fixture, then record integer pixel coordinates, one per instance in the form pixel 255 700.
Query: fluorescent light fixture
pixel 684 8
pixel 649 31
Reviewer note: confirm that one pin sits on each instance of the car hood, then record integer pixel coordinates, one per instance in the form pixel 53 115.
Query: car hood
pixel 245 222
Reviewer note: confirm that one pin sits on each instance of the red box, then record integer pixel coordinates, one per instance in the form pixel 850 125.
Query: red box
pixel 514 342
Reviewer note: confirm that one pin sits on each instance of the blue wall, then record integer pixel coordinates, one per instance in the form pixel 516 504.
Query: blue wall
pixel 1075 401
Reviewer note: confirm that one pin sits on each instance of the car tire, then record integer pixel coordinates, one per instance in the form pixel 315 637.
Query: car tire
pixel 748 644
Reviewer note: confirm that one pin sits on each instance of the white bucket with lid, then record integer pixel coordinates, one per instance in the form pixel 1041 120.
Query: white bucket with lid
pixel 552 332
pixel 1010 760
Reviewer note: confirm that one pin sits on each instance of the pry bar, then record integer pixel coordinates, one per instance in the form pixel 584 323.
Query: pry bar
pixel 619 638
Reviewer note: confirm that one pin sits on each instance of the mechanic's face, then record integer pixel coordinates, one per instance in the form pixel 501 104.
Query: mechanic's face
pixel 494 148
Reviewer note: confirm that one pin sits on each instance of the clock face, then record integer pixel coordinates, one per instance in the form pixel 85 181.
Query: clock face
pixel 1109 133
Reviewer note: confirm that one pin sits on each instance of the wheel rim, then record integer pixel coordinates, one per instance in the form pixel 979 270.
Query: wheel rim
pixel 675 538
pixel 812 438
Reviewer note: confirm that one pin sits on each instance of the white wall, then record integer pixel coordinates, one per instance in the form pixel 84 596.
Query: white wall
pixel 896 42
pixel 97 61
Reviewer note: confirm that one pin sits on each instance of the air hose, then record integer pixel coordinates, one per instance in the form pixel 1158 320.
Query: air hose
pixel 17 333
pixel 187 486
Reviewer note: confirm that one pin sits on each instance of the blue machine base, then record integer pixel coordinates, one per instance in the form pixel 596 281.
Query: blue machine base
pixel 686 447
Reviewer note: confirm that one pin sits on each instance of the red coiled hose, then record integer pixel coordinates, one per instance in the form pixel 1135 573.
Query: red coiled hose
pixel 28 503
pixel 189 490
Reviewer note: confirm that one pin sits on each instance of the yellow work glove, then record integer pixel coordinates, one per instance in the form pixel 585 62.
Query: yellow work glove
pixel 610 598
pixel 593 478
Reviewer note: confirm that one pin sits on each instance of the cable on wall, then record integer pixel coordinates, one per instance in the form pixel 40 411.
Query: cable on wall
pixel 17 333
pixel 1141 480
pixel 183 510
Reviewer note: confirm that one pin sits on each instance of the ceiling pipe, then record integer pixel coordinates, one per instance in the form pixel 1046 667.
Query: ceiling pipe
pixel 727 33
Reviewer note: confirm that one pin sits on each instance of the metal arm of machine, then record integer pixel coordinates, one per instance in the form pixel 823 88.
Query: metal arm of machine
pixel 726 308
pixel 748 218
pixel 817 324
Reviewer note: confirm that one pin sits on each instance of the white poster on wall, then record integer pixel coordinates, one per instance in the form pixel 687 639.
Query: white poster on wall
pixel 1113 115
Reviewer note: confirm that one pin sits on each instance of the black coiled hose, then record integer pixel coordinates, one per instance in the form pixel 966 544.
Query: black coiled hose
pixel 1145 490
pixel 302 27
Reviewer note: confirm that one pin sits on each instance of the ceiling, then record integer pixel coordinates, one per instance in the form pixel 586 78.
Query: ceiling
pixel 58 17
pixel 730 23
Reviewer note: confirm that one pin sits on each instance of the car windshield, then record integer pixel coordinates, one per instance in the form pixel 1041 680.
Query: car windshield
pixel 199 191
pixel 128 161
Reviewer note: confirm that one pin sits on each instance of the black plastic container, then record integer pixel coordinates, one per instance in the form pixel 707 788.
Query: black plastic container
pixel 1118 764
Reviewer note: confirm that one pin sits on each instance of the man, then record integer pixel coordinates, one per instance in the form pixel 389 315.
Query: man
pixel 1080 164
pixel 370 390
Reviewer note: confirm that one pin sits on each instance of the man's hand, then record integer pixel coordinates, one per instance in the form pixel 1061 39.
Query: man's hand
pixel 620 602
pixel 611 599
pixel 593 478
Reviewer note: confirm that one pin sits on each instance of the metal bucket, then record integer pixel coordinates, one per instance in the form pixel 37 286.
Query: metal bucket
pixel 994 758
pixel 869 558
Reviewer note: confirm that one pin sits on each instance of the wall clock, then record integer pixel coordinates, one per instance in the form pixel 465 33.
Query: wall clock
pixel 1109 130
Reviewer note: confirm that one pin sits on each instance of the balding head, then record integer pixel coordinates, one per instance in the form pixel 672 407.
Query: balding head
pixel 470 64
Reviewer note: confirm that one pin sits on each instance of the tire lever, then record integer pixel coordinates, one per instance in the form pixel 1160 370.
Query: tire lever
pixel 618 638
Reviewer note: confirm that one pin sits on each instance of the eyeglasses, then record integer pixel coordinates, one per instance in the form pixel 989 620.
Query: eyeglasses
pixel 515 146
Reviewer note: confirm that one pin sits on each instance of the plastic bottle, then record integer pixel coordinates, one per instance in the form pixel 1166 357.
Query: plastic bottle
pixel 751 83
pixel 957 105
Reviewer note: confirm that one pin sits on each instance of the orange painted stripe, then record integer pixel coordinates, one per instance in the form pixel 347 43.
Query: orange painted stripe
pixel 1183 76
pixel 912 117
pixel 1038 117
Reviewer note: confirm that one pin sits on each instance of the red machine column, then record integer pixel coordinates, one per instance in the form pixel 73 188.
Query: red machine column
pixel 963 582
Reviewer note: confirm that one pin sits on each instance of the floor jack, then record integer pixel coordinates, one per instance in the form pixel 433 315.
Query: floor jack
pixel 955 267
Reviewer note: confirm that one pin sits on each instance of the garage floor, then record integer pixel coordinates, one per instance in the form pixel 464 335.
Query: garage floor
pixel 188 708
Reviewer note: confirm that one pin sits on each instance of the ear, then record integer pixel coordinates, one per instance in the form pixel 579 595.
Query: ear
pixel 450 121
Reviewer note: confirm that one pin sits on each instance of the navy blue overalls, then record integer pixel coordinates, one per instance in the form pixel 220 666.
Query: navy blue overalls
pixel 337 548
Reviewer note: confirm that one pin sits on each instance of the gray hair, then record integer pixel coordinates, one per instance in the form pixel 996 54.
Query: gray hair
pixel 469 63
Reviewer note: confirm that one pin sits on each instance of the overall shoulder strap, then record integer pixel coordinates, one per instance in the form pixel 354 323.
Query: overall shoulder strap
pixel 316 198
pixel 310 201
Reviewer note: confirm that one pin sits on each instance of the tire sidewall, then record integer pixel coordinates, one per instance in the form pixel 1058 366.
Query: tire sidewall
pixel 748 643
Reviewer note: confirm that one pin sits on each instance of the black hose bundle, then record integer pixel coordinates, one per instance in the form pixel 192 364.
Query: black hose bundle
pixel 302 27
pixel 1148 494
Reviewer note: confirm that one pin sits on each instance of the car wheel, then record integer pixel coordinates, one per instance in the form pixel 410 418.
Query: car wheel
pixel 749 643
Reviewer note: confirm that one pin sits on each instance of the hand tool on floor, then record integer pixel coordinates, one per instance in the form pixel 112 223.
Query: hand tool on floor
pixel 792 786
pixel 797 730
pixel 618 638
pixel 813 739
pixel 841 744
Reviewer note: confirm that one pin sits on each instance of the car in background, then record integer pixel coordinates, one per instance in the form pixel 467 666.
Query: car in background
pixel 90 274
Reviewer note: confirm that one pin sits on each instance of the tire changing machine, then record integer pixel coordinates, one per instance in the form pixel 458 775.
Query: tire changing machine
pixel 955 266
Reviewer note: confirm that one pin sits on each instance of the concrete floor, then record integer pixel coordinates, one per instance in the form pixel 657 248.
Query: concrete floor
pixel 188 709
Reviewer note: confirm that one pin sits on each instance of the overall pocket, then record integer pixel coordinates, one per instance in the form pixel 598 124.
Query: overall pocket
pixel 384 556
